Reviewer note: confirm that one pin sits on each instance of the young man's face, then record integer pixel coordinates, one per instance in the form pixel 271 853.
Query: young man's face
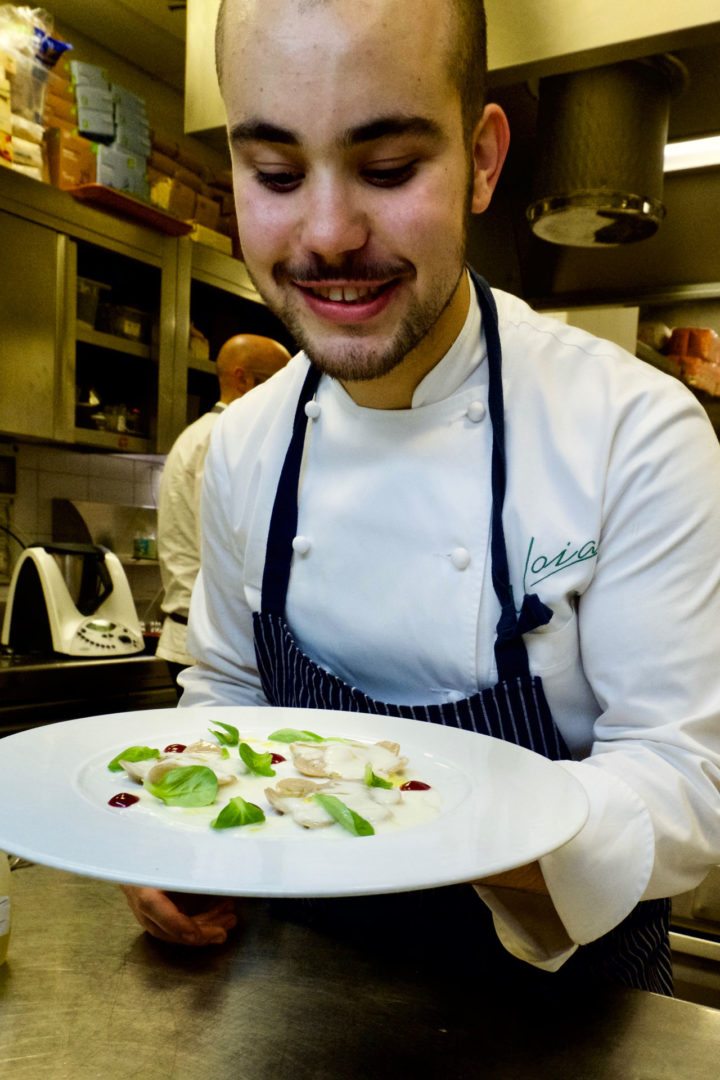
pixel 352 178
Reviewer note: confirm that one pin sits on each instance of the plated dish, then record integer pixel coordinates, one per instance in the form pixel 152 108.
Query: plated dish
pixel 461 805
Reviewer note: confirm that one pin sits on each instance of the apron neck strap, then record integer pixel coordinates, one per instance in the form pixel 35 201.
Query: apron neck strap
pixel 283 522
pixel 510 652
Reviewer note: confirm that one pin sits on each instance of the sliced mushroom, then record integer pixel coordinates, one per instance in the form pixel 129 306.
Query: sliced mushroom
pixel 202 746
pixel 346 761
pixel 307 812
pixel 292 796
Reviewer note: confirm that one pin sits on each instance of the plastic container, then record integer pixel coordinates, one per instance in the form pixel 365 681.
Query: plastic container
pixel 88 298
pixel 4 906
pixel 125 322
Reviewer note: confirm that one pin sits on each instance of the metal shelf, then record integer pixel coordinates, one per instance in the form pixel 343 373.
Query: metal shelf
pixel 91 336
pixel 208 367
pixel 120 441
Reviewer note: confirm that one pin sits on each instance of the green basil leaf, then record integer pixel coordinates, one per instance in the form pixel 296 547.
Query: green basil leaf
pixel 229 736
pixel 238 812
pixel 261 764
pixel 344 816
pixel 372 780
pixel 187 785
pixel 225 753
pixel 288 735
pixel 133 753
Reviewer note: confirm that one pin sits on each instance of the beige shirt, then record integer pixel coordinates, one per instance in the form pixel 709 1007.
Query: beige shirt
pixel 179 530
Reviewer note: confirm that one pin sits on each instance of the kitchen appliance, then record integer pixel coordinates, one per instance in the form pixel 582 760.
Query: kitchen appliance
pixel 72 599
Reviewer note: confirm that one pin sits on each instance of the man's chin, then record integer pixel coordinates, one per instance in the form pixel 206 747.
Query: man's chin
pixel 351 365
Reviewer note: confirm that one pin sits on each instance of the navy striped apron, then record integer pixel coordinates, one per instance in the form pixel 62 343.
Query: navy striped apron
pixel 636 953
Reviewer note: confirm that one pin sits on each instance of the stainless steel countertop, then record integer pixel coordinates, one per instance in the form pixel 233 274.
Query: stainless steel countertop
pixel 43 690
pixel 86 995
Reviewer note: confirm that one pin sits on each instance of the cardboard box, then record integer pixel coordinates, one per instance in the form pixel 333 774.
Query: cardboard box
pixel 132 140
pixel 5 109
pixel 193 164
pixel 60 107
pixel 226 199
pixel 27 153
pixel 71 159
pixel 60 86
pixel 52 122
pixel 122 171
pixel 189 179
pixel 207 212
pixel 164 144
pixel 174 197
pixel 162 163
pixel 212 239
pixel 5 148
pixel 26 129
pixel 28 170
pixel 85 74
pixel 127 103
pixel 96 125
pixel 94 97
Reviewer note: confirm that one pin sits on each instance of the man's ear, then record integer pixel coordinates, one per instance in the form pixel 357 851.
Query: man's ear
pixel 244 380
pixel 490 143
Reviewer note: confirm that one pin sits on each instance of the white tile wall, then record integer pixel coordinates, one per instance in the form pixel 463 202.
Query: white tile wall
pixel 45 473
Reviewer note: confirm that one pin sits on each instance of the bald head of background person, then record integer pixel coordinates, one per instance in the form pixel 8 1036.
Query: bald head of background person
pixel 244 361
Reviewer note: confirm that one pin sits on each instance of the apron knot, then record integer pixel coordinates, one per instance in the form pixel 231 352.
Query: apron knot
pixel 533 613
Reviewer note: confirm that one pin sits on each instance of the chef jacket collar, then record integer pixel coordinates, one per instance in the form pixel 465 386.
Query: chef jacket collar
pixel 458 363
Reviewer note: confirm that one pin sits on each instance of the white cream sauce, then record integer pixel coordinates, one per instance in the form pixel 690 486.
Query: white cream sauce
pixel 389 810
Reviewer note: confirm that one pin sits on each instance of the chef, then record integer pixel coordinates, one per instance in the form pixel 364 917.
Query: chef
pixel 447 506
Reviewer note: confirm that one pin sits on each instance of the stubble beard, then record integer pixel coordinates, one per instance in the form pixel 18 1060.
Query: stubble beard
pixel 353 361
pixel 349 358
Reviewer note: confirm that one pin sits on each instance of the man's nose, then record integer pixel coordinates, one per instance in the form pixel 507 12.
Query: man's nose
pixel 334 222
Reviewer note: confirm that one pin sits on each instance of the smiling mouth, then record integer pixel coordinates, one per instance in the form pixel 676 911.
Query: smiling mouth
pixel 345 294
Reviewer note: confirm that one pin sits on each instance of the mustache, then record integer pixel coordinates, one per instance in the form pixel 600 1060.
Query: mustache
pixel 350 269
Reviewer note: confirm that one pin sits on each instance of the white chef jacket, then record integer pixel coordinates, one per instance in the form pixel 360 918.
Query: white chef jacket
pixel 179 530
pixel 612 517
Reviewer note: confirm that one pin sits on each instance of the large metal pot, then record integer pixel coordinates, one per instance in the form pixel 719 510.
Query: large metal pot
pixel 601 140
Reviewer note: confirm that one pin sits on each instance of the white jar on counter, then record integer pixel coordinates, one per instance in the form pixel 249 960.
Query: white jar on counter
pixel 4 905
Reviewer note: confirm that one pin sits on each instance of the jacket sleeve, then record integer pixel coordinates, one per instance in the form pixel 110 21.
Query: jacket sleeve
pixel 220 631
pixel 649 626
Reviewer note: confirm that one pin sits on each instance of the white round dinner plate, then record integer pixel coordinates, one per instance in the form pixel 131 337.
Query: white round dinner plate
pixel 496 806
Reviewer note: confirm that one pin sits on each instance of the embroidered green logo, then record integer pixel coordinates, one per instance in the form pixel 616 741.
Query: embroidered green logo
pixel 538 567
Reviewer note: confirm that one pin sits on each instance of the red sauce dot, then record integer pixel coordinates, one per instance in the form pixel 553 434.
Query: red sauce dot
pixel 414 785
pixel 275 759
pixel 175 748
pixel 123 799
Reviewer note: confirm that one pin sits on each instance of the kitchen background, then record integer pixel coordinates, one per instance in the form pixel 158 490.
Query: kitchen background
pixel 116 306
pixel 85 387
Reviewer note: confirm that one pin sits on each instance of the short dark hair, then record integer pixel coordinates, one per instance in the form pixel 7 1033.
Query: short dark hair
pixel 468 58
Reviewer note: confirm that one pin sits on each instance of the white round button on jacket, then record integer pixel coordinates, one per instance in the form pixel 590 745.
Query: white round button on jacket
pixel 455 695
pixel 300 545
pixel 476 411
pixel 460 558
pixel 312 410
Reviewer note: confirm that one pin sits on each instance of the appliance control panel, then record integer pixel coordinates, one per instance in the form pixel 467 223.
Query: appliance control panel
pixel 103 636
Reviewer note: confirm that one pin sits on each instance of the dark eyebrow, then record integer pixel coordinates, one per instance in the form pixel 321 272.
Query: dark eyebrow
pixel 259 131
pixel 384 127
pixel 388 126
